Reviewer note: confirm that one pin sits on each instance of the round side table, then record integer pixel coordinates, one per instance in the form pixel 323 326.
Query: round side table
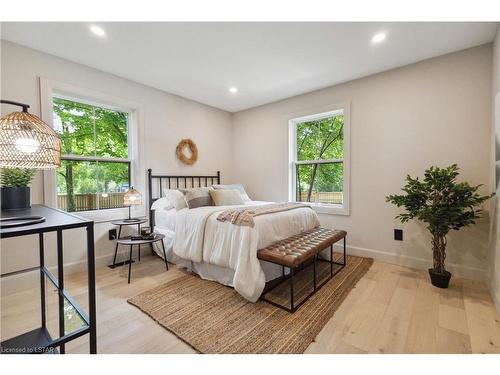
pixel 120 224
pixel 130 242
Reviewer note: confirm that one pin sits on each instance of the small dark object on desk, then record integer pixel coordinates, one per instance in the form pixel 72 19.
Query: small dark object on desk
pixel 150 236
pixel 132 220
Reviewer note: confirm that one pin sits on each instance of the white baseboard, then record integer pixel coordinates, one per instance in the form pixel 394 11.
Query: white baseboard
pixel 413 262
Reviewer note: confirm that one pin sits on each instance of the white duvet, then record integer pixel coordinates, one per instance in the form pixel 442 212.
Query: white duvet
pixel 199 236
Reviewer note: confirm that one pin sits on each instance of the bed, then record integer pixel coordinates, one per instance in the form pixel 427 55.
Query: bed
pixel 222 251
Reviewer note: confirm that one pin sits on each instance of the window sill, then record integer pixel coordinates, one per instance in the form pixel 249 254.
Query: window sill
pixel 330 209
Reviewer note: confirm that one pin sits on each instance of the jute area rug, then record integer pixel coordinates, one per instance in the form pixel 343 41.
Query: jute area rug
pixel 213 318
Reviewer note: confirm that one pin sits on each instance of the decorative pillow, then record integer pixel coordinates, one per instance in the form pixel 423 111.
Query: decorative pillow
pixel 198 197
pixel 161 204
pixel 229 197
pixel 175 198
pixel 238 187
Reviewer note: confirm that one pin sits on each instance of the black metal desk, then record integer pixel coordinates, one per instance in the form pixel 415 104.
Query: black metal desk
pixel 40 340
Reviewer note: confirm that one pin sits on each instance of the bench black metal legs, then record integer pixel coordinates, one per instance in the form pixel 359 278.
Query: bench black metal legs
pixel 295 270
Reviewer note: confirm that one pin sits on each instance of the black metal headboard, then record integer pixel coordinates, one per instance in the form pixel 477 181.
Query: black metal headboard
pixel 156 184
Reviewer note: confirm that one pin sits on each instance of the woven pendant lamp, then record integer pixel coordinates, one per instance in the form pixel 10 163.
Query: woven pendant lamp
pixel 27 142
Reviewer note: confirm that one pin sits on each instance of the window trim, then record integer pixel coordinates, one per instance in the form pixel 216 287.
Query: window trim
pixel 311 115
pixel 50 89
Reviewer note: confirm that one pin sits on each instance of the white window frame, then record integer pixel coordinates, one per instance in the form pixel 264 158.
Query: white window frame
pixel 311 115
pixel 50 89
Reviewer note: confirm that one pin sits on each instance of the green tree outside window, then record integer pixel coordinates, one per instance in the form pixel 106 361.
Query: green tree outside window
pixel 317 141
pixel 98 136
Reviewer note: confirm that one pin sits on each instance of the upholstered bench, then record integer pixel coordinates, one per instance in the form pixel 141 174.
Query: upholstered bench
pixel 294 252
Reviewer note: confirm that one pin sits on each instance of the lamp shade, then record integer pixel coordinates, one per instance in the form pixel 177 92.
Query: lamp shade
pixel 132 197
pixel 28 142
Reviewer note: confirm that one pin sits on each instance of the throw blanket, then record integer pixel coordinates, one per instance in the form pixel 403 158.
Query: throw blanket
pixel 244 216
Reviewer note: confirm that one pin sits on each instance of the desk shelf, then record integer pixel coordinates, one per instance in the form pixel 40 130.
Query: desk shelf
pixel 72 321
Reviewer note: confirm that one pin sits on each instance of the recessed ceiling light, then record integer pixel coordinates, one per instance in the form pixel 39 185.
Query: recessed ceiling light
pixel 97 30
pixel 377 38
pixel 233 90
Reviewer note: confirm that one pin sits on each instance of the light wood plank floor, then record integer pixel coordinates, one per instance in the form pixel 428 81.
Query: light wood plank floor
pixel 393 309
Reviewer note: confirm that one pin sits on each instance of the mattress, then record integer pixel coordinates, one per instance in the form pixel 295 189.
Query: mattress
pixel 222 275
pixel 224 252
pixel 165 224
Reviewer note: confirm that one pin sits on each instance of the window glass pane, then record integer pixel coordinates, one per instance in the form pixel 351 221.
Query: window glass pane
pixel 77 185
pixel 306 182
pixel 321 139
pixel 74 122
pixel 91 131
pixel 332 137
pixel 90 185
pixel 330 182
pixel 113 183
pixel 307 140
pixel 111 133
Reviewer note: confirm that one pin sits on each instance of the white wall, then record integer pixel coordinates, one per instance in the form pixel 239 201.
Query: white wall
pixel 166 119
pixel 435 112
pixel 494 263
pixel 404 120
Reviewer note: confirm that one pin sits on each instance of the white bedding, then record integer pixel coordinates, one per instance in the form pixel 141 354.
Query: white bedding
pixel 165 219
pixel 207 271
pixel 201 238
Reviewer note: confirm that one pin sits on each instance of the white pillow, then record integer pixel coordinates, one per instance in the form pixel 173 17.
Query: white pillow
pixel 161 204
pixel 238 187
pixel 175 198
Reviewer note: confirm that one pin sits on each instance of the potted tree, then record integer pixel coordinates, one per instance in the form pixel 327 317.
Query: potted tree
pixel 14 187
pixel 442 204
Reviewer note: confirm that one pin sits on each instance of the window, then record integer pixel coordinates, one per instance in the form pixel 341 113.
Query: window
pixel 95 164
pixel 319 160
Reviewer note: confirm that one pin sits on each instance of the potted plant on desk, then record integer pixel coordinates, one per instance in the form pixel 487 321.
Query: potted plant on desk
pixel 443 204
pixel 14 187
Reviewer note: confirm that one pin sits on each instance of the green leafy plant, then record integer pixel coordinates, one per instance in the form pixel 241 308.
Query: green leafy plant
pixel 16 177
pixel 442 203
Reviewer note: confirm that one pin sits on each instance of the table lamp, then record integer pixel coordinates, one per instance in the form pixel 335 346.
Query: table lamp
pixel 27 142
pixel 132 198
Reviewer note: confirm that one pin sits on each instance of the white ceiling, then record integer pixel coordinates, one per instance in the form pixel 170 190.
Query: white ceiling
pixel 265 61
